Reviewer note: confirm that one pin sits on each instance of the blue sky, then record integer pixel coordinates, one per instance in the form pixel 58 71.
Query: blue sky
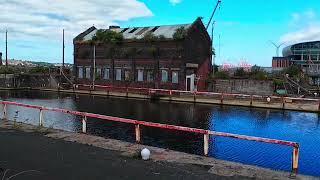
pixel 245 27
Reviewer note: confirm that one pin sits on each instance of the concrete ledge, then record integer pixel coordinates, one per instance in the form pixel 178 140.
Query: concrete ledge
pixel 306 107
pixel 217 167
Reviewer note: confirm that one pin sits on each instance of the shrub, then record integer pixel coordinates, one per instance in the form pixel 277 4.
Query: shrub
pixel 108 36
pixel 180 33
pixel 222 75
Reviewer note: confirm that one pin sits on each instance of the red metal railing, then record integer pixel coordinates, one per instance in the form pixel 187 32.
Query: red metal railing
pixel 282 101
pixel 205 133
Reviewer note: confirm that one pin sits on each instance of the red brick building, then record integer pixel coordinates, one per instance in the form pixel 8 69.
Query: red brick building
pixel 280 62
pixel 166 63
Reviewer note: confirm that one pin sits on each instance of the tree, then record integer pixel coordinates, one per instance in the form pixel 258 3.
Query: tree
pixel 180 33
pixel 293 71
pixel 258 73
pixel 222 75
pixel 150 37
pixel 108 36
pixel 240 72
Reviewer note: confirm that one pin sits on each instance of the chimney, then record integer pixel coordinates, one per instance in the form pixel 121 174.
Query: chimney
pixel 114 27
pixel 0 58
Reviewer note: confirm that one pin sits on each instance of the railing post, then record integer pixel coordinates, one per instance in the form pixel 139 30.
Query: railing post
pixel 295 159
pixel 84 124
pixel 221 99
pixel 4 111
pixel 41 118
pixel 138 133
pixel 206 144
pixel 127 92
pixel 251 100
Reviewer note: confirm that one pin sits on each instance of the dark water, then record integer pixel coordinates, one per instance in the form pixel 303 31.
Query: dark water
pixel 285 125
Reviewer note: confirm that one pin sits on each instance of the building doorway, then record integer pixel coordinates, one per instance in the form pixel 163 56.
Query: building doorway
pixel 190 83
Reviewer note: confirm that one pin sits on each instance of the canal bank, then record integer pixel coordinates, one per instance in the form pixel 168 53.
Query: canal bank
pixel 257 101
pixel 67 155
pixel 293 126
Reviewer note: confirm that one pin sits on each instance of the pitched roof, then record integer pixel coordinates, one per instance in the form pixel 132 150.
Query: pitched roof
pixel 138 32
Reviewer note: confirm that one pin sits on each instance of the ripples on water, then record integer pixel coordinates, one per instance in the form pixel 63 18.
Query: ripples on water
pixel 300 127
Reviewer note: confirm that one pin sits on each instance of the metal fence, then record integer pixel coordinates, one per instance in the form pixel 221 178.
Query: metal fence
pixel 137 124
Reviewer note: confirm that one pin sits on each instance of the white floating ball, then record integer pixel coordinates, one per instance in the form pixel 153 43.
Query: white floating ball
pixel 145 154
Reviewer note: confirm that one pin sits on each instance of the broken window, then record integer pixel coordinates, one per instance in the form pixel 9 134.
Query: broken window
pixel 175 77
pixel 98 73
pixel 150 76
pixel 127 75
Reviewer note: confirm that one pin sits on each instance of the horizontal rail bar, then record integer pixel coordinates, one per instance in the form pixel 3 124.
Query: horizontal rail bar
pixel 152 124
pixel 200 92
pixel 205 133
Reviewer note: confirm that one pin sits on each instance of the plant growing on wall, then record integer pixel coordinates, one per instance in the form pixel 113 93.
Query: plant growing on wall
pixel 108 36
pixel 180 33
pixel 150 37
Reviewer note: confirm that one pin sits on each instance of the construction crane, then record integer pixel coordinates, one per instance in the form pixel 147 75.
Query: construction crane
pixel 214 11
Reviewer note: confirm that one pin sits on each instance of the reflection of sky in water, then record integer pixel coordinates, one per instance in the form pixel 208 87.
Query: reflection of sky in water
pixel 300 127
pixel 285 125
pixel 51 119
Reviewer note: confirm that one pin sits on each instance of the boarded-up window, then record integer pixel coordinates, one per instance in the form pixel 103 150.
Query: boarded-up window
pixel 164 75
pixel 140 75
pixel 106 73
pixel 98 73
pixel 88 72
pixel 175 77
pixel 118 74
pixel 150 76
pixel 80 72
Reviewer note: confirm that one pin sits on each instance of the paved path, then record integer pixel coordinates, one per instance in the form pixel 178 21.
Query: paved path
pixel 51 159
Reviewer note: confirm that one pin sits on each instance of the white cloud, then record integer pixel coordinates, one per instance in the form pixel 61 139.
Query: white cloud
pixel 174 2
pixel 46 18
pixel 310 33
pixel 305 28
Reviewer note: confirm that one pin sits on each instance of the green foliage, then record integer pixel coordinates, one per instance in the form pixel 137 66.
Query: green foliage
pixel 293 71
pixel 108 36
pixel 162 37
pixel 222 75
pixel 39 69
pixel 150 37
pixel 7 70
pixel 240 72
pixel 180 33
pixel 258 73
pixel 215 68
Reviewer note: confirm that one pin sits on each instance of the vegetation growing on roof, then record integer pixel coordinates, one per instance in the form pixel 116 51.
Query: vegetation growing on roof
pixel 108 36
pixel 180 33
pixel 150 37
